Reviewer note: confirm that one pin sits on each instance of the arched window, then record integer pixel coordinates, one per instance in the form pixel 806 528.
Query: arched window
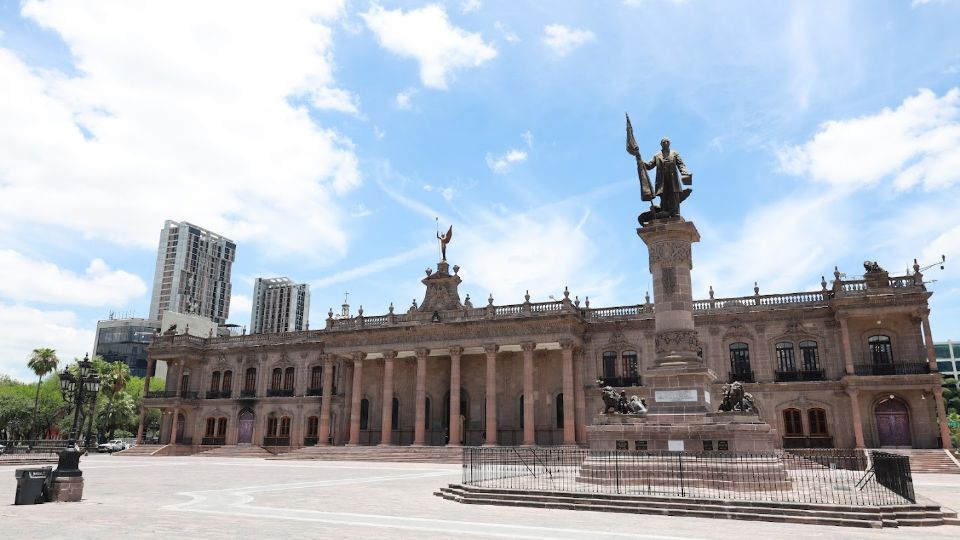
pixel 227 382
pixel 740 362
pixel 521 412
pixel 277 379
pixel 395 414
pixel 285 426
pixel 364 413
pixel 271 426
pixel 222 427
pixel 817 421
pixel 316 379
pixel 881 351
pixel 630 368
pixel 559 411
pixel 792 423
pixel 211 427
pixel 215 381
pixel 185 383
pixel 288 378
pixel 609 364
pixel 250 380
pixel 785 357
pixel 808 356
pixel 313 426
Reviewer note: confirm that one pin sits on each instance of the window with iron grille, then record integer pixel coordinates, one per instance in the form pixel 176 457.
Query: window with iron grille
pixel 211 427
pixel 792 423
pixel 739 358
pixel 313 424
pixel 609 364
pixel 250 380
pixel 276 379
pixel 785 356
pixel 215 381
pixel 285 426
pixel 817 420
pixel 222 427
pixel 630 368
pixel 316 377
pixel 288 378
pixel 881 351
pixel 809 355
pixel 272 426
pixel 227 380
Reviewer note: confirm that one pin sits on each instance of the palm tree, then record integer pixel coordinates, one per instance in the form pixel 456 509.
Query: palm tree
pixel 117 377
pixel 42 361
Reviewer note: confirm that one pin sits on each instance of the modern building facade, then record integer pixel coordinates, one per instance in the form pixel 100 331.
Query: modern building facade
pixel 126 340
pixel 948 359
pixel 192 273
pixel 279 305
pixel 849 365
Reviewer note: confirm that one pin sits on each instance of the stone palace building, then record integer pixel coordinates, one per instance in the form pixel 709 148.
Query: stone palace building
pixel 849 365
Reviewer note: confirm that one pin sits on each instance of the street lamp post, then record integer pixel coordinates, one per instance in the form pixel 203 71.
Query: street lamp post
pixel 76 390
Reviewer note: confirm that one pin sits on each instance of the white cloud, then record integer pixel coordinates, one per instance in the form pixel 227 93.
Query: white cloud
pixel 29 280
pixel 562 40
pixel 240 308
pixel 335 99
pixel 403 99
pixel 426 35
pixel 527 138
pixel 360 210
pixel 179 117
pixel 508 35
pixel 379 133
pixel 501 164
pixel 23 329
pixel 916 143
pixel 469 6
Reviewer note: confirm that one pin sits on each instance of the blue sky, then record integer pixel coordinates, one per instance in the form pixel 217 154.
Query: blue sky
pixel 325 138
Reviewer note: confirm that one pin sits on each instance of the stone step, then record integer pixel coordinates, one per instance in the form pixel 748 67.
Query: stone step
pixel 236 451
pixel 140 450
pixel 419 454
pixel 919 515
pixel 928 460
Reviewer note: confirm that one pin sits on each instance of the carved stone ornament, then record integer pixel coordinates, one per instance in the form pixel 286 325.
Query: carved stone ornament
pixel 676 340
pixel 670 254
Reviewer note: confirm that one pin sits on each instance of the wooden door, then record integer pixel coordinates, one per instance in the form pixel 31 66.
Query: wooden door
pixel 893 423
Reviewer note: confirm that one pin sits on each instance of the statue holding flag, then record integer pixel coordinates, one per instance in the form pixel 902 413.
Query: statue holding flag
pixel 671 172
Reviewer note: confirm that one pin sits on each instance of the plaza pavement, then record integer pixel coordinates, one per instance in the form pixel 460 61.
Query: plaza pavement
pixel 200 498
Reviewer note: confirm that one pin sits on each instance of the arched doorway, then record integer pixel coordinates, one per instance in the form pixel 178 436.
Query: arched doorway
pixel 245 427
pixel 893 423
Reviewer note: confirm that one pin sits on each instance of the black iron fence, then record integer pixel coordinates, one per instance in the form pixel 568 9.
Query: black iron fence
pixel 900 368
pixel 851 477
pixel 40 446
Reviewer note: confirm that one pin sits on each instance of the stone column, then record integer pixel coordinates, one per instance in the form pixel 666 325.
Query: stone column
pixel 945 440
pixel 386 427
pixel 928 341
pixel 325 399
pixel 847 350
pixel 419 428
pixel 569 415
pixel 357 395
pixel 173 425
pixel 454 427
pixel 580 404
pixel 177 368
pixel 529 422
pixel 491 420
pixel 855 415
pixel 143 406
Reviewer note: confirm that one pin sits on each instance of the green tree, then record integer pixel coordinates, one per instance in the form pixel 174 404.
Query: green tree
pixel 951 396
pixel 42 361
pixel 114 381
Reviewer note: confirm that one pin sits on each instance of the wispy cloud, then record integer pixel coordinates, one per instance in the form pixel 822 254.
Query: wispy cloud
pixel 562 40
pixel 403 99
pixel 501 164
pixel 26 279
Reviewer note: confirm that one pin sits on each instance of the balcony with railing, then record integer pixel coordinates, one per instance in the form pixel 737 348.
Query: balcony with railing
pixel 161 394
pixel 813 441
pixel 315 391
pixel 276 441
pixel 218 394
pixel 741 376
pixel 893 368
pixel 800 375
pixel 619 382
pixel 280 392
pixel 189 394
pixel 248 393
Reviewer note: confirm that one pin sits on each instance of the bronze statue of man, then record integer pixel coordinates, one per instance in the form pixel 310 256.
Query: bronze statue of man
pixel 672 174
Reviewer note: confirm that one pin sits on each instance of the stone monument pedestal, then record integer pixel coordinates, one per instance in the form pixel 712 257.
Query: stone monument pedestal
pixel 66 489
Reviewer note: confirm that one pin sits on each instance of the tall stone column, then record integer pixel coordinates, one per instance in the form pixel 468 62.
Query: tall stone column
pixel 419 428
pixel 178 376
pixel 928 340
pixel 580 404
pixel 847 350
pixel 569 414
pixel 325 399
pixel 529 422
pixel 945 440
pixel 143 406
pixel 173 425
pixel 357 395
pixel 491 420
pixel 855 416
pixel 454 427
pixel 386 426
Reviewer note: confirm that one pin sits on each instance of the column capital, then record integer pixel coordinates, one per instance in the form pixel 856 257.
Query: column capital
pixel 358 356
pixel 528 346
pixel 389 355
pixel 456 350
pixel 567 344
pixel 491 348
pixel 842 317
pixel 852 392
pixel 422 352
pixel 327 359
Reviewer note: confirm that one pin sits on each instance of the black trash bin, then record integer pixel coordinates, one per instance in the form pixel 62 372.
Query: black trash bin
pixel 32 485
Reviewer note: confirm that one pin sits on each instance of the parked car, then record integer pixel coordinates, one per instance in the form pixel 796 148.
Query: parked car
pixel 112 446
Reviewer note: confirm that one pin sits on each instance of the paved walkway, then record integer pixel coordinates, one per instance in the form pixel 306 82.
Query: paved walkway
pixel 144 497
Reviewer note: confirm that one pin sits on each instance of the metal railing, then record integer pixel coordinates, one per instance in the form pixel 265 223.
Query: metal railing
pixel 850 477
pixel 280 392
pixel 276 441
pixel 157 394
pixel 741 376
pixel 38 446
pixel 248 393
pixel 213 441
pixel 911 368
pixel 218 394
pixel 800 375
pixel 620 381
pixel 813 441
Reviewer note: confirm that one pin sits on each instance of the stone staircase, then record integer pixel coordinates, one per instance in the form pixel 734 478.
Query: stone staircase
pixel 925 513
pixel 236 451
pixel 418 454
pixel 929 461
pixel 141 450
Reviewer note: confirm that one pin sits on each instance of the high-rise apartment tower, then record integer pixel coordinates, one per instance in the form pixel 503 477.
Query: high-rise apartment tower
pixel 193 272
pixel 279 305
